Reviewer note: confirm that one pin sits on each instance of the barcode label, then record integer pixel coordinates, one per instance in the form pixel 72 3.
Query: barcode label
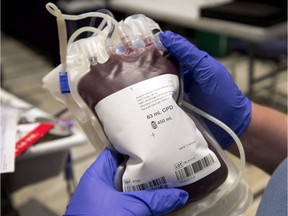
pixel 154 184
pixel 194 168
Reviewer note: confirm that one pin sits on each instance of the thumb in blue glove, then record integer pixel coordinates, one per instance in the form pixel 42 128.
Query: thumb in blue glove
pixel 210 87
pixel 95 194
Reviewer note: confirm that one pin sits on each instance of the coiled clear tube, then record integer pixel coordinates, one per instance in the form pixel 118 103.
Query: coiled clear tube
pixel 84 29
pixel 62 32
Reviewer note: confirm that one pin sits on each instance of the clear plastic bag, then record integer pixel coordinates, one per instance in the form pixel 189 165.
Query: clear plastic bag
pixel 127 94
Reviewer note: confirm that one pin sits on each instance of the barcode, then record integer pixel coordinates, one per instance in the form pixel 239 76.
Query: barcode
pixel 194 168
pixel 154 184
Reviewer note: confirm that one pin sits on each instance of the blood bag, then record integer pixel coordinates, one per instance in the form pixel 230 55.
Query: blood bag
pixel 127 94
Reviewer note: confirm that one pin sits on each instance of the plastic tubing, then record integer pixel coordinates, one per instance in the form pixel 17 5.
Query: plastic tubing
pixel 230 132
pixel 62 32
pixel 111 27
pixel 84 29
pixel 238 142
pixel 51 8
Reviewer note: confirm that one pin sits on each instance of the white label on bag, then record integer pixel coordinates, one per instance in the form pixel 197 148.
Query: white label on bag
pixel 164 146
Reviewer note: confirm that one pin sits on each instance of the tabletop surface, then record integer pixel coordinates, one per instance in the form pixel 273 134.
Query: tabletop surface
pixel 31 112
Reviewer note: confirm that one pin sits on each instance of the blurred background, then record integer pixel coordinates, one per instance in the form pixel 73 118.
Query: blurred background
pixel 248 37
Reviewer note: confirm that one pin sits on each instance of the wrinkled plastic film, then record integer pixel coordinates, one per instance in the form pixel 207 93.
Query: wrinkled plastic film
pixel 133 38
pixel 88 124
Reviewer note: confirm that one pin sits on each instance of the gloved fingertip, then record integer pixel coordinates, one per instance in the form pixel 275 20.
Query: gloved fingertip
pixel 183 197
pixel 164 37
pixel 105 165
pixel 171 199
pixel 166 33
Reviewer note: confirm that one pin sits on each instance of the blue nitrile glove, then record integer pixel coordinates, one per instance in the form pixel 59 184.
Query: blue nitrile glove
pixel 210 87
pixel 95 194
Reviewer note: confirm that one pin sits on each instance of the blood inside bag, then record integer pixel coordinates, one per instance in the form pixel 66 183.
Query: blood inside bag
pixel 118 73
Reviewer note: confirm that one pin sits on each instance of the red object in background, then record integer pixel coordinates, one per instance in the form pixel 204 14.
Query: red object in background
pixel 32 137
